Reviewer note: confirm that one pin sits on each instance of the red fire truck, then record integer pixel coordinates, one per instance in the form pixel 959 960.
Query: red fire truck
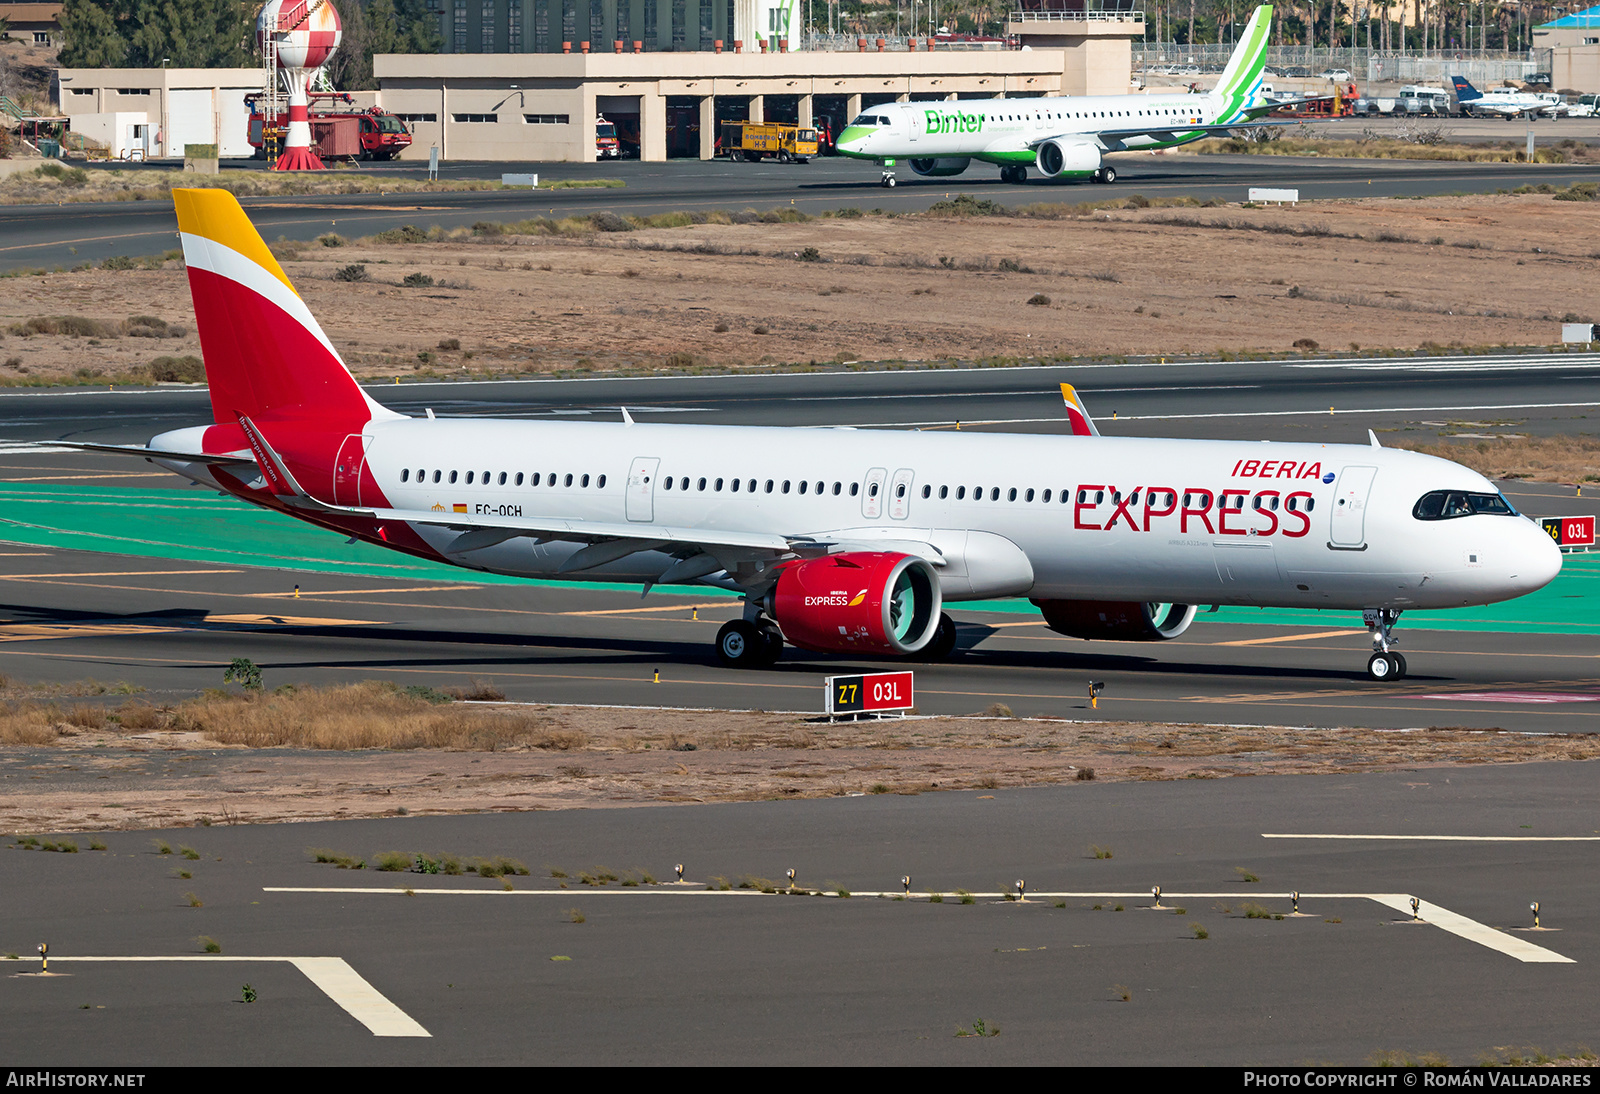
pixel 340 134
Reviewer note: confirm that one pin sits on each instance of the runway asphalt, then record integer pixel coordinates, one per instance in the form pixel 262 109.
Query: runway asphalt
pixel 48 236
pixel 434 970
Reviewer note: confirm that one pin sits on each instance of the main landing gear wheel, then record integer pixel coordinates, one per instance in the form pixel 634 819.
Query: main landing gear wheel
pixel 944 640
pixel 887 180
pixel 744 645
pixel 772 644
pixel 1386 666
pixel 1105 174
pixel 1013 175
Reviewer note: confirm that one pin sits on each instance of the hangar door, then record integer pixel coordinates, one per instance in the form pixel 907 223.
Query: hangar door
pixel 233 119
pixel 190 120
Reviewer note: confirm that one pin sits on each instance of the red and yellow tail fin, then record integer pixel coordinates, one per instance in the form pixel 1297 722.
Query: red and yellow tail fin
pixel 1077 413
pixel 266 356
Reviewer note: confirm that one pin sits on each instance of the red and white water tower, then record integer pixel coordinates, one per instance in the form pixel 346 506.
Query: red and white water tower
pixel 296 38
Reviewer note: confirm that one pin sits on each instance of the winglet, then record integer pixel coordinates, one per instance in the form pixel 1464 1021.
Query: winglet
pixel 627 419
pixel 1077 413
pixel 1373 437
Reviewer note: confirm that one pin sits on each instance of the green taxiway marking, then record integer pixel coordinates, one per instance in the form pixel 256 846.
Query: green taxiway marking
pixel 206 527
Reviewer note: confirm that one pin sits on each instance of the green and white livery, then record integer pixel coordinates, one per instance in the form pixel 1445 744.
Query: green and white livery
pixel 1062 136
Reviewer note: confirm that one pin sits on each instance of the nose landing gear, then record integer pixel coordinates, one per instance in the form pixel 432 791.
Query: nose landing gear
pixel 1384 664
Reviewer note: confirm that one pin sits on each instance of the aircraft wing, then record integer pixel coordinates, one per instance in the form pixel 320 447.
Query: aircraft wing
pixel 1113 140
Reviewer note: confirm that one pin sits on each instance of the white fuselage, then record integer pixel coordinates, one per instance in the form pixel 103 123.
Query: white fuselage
pixel 1049 517
pixel 1002 130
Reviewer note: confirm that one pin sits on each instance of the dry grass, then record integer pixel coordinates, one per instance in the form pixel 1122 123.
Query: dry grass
pixel 366 715
pixel 1379 149
pixel 1537 459
pixel 355 716
pixel 78 184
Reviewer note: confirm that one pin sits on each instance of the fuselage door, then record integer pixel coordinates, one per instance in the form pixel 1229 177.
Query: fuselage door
pixel 1349 527
pixel 872 493
pixel 347 470
pixel 900 493
pixel 642 488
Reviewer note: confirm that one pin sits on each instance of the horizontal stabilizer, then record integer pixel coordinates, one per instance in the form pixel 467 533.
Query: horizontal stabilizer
pixel 157 454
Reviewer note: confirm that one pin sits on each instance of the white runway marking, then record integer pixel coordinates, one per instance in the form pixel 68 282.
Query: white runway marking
pixel 1446 839
pixel 341 983
pixel 365 1003
pixel 1443 918
pixel 1473 931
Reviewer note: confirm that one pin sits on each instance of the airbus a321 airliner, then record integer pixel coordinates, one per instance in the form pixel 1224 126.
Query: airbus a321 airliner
pixel 1064 136
pixel 840 540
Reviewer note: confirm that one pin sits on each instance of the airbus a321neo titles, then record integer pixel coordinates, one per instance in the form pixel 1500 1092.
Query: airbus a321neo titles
pixel 839 540
pixel 1064 136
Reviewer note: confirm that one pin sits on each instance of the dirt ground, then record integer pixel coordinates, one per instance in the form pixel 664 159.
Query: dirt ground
pixel 1375 274
pixel 102 781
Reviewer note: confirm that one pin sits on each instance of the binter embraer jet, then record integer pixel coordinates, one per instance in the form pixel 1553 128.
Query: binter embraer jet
pixel 838 540
pixel 1065 136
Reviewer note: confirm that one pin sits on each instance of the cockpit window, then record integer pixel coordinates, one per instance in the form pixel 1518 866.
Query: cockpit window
pixel 870 119
pixel 1449 504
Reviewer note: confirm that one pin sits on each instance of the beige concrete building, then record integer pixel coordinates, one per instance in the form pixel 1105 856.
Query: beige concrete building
pixel 179 106
pixel 529 106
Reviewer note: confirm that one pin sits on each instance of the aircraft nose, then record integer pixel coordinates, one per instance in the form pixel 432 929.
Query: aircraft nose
pixel 1537 559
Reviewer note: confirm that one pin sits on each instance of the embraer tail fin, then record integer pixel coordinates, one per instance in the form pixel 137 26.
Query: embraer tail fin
pixel 1465 92
pixel 1240 84
pixel 265 355
pixel 1077 413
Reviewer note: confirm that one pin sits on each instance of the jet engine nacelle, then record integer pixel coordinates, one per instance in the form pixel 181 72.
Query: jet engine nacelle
pixel 1118 621
pixel 946 165
pixel 1060 157
pixel 879 602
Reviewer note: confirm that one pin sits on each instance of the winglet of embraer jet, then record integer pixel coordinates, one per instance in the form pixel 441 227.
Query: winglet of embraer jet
pixel 1077 413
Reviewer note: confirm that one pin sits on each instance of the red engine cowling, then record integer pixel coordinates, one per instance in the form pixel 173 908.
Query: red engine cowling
pixel 1117 621
pixel 864 601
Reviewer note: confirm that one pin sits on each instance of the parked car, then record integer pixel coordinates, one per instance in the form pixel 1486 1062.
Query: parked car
pixel 1337 75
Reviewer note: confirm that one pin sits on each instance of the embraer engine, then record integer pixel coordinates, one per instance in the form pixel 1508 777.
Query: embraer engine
pixel 860 601
pixel 1117 621
pixel 1067 158
pixel 948 165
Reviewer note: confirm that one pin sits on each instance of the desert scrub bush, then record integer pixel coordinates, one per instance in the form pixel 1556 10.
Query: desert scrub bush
pixel 406 233
pixel 187 369
pixel 335 858
pixel 1039 300
pixel 356 271
pixel 965 205
pixel 417 280
pixel 366 715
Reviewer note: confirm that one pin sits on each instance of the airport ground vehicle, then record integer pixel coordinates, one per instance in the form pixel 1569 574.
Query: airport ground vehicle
pixel 751 141
pixel 848 540
pixel 607 146
pixel 1415 99
pixel 348 134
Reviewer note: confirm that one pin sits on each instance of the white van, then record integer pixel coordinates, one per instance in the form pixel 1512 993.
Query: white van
pixel 1414 99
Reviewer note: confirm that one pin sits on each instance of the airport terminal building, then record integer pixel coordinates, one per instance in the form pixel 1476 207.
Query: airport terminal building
pixel 511 97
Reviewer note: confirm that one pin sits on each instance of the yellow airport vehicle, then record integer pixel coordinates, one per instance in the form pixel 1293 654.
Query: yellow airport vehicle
pixel 752 140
